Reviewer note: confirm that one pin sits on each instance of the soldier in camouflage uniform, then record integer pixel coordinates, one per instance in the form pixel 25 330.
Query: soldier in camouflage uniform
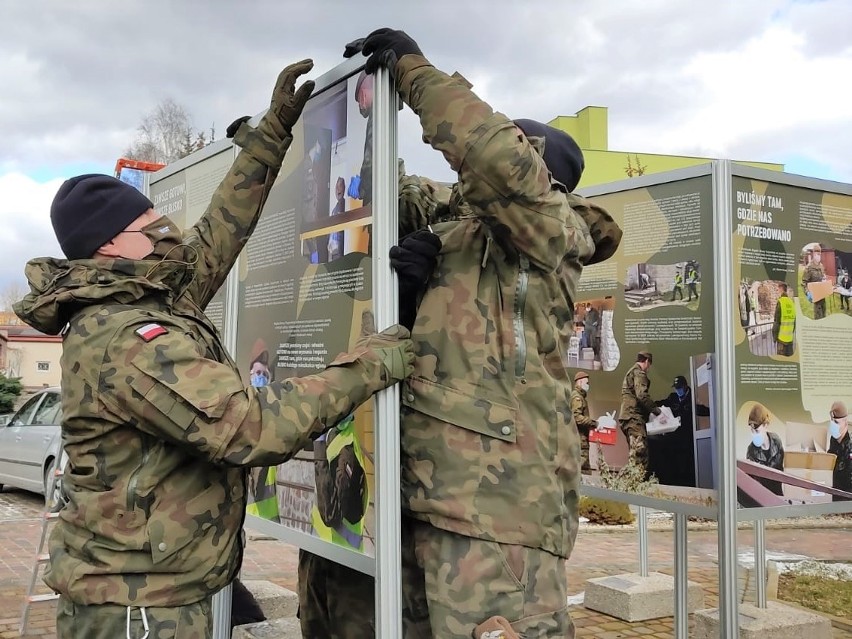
pixel 490 451
pixel 157 424
pixel 580 410
pixel 636 408
pixel 814 272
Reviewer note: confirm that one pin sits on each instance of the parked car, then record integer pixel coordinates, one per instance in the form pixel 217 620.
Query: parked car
pixel 30 443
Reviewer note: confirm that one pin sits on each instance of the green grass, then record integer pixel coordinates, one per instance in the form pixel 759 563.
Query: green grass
pixel 830 596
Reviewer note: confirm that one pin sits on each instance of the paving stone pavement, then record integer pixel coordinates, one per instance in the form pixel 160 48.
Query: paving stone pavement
pixel 597 553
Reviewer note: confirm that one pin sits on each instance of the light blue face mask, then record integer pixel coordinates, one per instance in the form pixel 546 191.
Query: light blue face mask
pixel 259 380
pixel 834 429
pixel 680 392
pixel 757 439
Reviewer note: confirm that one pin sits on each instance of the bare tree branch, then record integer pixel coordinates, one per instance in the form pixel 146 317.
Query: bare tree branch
pixel 165 134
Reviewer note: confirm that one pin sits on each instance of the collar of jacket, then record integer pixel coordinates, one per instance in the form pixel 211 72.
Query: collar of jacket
pixel 60 288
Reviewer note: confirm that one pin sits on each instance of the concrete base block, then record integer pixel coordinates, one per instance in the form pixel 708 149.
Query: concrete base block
pixel 275 629
pixel 631 597
pixel 275 601
pixel 776 620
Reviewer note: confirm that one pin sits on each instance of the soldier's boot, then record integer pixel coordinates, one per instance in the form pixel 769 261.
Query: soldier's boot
pixel 495 628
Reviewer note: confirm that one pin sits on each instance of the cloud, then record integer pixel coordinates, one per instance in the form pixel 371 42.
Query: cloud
pixel 755 79
pixel 25 220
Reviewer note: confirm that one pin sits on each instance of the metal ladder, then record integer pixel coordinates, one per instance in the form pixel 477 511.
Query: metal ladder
pixel 51 512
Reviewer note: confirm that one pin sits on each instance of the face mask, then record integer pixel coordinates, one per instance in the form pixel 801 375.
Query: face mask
pixel 164 236
pixel 757 439
pixel 584 385
pixel 834 429
pixel 680 392
pixel 259 380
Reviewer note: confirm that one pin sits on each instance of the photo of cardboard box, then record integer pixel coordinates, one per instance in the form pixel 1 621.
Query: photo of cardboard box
pixel 805 457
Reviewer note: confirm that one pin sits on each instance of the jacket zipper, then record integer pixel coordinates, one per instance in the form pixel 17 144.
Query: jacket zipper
pixel 134 477
pixel 520 305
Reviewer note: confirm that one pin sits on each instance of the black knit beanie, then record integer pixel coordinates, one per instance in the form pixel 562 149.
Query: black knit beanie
pixel 89 210
pixel 562 155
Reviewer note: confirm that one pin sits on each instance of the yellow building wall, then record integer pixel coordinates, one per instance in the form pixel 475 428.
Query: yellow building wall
pixel 589 127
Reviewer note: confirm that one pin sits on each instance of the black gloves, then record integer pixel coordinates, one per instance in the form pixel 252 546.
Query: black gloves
pixel 413 259
pixel 234 126
pixel 356 46
pixel 384 47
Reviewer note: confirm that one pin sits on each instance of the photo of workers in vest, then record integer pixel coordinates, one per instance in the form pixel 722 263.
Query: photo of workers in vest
pixel 767 312
pixel 783 462
pixel 649 286
pixel 593 346
pixel 342 496
pixel 822 272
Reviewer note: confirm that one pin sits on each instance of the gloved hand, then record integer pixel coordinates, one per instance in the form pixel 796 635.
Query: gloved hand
pixel 287 103
pixel 413 259
pixel 354 187
pixel 234 126
pixel 394 350
pixel 356 46
pixel 809 296
pixel 385 47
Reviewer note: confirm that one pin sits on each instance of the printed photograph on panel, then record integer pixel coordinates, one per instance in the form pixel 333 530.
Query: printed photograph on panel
pixel 825 286
pixel 782 462
pixel 593 346
pixel 649 286
pixel 305 295
pixel 768 316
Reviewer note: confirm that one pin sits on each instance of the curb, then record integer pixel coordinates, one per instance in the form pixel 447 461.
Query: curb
pixel 771 524
pixel 837 622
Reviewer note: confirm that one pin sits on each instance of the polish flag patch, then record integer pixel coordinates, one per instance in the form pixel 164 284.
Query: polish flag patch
pixel 150 331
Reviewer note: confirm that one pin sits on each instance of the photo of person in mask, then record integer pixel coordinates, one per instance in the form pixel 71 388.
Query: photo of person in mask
pixel 840 445
pixel 261 481
pixel 766 447
pixel 673 454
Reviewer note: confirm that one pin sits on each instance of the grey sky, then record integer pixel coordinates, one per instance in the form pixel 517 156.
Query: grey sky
pixel 749 79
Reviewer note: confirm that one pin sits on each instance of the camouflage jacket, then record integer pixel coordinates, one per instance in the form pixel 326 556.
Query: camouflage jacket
pixel 489 445
pixel 157 423
pixel 580 410
pixel 636 402
pixel 813 273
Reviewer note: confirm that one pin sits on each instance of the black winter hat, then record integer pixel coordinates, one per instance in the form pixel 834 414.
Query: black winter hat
pixel 89 210
pixel 562 155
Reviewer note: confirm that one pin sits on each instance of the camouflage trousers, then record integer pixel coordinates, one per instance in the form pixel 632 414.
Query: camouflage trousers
pixel 637 439
pixel 584 450
pixel 335 602
pixel 819 309
pixel 451 583
pixel 109 621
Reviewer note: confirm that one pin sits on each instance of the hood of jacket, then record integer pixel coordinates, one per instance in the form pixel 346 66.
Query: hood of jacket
pixel 60 288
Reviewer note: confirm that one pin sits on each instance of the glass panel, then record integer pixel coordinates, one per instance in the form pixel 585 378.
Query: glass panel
pixel 49 410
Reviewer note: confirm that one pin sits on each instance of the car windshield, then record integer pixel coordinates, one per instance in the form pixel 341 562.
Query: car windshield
pixel 48 412
pixel 25 415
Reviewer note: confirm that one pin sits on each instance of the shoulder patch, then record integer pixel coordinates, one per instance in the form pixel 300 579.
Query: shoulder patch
pixel 150 331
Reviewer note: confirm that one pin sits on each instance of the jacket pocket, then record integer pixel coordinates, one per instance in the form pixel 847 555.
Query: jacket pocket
pixel 183 399
pixel 462 408
pixel 176 524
